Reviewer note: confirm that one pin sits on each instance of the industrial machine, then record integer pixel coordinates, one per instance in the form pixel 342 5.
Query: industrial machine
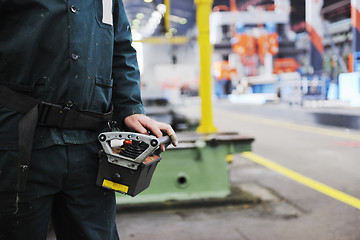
pixel 196 169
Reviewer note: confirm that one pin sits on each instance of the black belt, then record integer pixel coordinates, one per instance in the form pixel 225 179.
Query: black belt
pixel 37 112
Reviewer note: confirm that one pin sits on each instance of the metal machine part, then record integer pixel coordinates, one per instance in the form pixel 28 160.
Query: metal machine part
pixel 128 161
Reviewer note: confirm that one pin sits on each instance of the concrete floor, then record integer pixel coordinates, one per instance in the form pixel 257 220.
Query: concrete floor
pixel 289 210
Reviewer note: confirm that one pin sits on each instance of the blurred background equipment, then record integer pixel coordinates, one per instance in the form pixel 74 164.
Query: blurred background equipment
pixel 250 51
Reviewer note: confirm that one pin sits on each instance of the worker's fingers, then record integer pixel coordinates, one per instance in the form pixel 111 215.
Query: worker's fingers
pixel 133 123
pixel 169 131
pixel 152 126
pixel 174 139
pixel 142 124
pixel 162 147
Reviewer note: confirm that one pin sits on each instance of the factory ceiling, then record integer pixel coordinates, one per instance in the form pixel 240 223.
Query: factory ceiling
pixel 146 16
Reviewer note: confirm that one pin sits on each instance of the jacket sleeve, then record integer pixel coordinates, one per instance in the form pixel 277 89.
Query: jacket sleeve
pixel 125 71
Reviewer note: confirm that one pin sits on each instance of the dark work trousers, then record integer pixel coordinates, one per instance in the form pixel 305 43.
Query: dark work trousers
pixel 61 186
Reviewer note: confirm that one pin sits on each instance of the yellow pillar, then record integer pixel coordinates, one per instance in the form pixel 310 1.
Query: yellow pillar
pixel 167 15
pixel 203 10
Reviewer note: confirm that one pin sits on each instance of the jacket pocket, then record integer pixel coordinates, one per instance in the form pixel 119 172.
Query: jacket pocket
pixel 102 94
pixel 28 86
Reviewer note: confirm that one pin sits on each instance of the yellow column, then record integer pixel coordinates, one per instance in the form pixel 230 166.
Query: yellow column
pixel 167 15
pixel 203 10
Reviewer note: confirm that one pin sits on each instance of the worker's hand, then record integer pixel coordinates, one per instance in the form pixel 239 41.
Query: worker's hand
pixel 142 124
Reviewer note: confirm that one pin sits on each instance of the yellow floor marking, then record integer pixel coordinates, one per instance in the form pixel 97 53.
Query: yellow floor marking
pixel 318 186
pixel 298 127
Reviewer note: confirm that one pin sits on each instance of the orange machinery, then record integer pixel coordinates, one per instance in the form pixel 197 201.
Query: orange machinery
pixel 282 65
pixel 267 43
pixel 244 44
pixel 223 70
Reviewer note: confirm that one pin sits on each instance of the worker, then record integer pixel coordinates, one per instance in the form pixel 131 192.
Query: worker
pixel 67 68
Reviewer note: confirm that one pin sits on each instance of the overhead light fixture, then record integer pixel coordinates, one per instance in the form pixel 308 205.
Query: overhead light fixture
pixel 136 21
pixel 140 16
pixel 148 1
pixel 161 8
pixel 168 35
pixel 156 15
pixel 173 30
pixel 183 21
pixel 178 19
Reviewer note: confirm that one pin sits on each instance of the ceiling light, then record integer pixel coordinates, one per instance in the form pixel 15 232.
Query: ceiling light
pixel 161 8
pixel 173 30
pixel 148 1
pixel 183 21
pixel 140 16
pixel 136 21
pixel 168 35
pixel 156 15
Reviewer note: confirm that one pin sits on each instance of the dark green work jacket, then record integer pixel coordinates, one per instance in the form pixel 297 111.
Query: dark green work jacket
pixel 74 53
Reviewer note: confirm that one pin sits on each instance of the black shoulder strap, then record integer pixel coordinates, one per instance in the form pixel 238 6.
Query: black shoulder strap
pixel 29 107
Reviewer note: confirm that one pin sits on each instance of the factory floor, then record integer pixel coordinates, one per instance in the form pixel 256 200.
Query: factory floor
pixel 310 189
pixel 305 174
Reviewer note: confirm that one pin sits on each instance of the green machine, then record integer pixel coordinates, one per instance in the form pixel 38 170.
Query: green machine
pixel 195 169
